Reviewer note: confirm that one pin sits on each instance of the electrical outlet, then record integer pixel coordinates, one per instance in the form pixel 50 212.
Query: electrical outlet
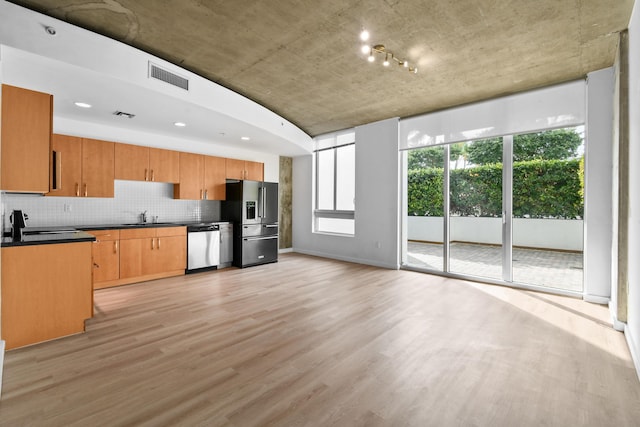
pixel 67 208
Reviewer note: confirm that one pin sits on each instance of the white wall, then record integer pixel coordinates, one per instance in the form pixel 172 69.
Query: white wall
pixel 377 202
pixel 598 183
pixel 632 329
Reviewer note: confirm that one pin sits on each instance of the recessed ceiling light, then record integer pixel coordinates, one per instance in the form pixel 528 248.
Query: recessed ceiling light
pixel 82 104
pixel 364 35
pixel 180 124
pixel 245 138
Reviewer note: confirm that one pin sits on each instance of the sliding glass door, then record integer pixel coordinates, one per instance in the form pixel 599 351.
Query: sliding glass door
pixel 548 208
pixel 475 209
pixel 506 209
pixel 425 221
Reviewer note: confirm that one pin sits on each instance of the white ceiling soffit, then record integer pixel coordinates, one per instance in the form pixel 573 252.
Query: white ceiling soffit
pixel 78 65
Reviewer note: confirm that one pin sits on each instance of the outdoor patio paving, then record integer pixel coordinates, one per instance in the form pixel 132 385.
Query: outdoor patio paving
pixel 554 269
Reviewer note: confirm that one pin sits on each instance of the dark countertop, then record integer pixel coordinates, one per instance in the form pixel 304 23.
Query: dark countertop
pixel 75 233
pixel 146 225
pixel 48 238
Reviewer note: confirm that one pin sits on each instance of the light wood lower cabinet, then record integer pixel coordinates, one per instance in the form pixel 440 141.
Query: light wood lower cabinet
pixel 139 254
pixel 46 292
pixel 105 253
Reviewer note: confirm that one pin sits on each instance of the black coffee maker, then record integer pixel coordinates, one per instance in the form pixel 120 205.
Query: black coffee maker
pixel 18 222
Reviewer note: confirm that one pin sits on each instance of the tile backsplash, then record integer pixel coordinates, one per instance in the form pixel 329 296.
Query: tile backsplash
pixel 131 198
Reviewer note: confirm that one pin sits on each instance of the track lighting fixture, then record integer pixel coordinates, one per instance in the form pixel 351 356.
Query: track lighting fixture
pixel 389 56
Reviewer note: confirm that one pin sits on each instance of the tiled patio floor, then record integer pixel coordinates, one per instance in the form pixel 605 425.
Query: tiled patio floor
pixel 560 270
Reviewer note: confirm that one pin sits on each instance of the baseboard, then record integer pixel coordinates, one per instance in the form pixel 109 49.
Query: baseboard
pixel 348 259
pixel 596 299
pixel 633 349
pixel 617 325
pixel 285 250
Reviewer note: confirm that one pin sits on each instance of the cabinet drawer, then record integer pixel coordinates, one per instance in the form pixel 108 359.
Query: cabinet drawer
pixel 137 233
pixel 171 231
pixel 102 235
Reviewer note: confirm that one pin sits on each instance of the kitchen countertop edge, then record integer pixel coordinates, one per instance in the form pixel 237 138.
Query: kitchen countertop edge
pixel 48 239
pixel 78 233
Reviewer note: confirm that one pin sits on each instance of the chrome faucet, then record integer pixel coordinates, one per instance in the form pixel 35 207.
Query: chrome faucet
pixel 143 217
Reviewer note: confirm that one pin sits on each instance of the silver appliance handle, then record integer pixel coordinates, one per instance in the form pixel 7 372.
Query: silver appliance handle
pixel 264 192
pixel 271 226
pixel 251 239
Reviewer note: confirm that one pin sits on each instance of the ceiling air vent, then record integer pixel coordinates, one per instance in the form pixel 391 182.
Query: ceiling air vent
pixel 123 114
pixel 168 77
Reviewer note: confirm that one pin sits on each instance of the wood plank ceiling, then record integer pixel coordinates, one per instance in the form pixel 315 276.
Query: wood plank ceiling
pixel 302 58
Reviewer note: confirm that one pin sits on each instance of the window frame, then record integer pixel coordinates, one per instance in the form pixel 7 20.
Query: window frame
pixel 330 213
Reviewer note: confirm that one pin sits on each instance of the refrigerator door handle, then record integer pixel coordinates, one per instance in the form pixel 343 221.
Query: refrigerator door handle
pixel 271 225
pixel 251 239
pixel 264 199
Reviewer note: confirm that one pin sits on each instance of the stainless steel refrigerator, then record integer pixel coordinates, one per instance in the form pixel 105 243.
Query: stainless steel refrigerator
pixel 253 207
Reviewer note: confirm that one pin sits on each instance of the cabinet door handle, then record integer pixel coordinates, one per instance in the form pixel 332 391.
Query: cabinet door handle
pixel 56 183
pixel 206 194
pixel 115 246
pixel 85 190
pixel 77 190
pixel 158 243
pixel 153 241
pixel 201 194
pixel 146 175
pixel 153 175
pixel 96 265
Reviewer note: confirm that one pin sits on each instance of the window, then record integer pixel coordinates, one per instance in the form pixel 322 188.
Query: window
pixel 335 183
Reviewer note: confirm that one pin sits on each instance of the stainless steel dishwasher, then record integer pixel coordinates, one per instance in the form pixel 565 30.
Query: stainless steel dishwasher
pixel 203 247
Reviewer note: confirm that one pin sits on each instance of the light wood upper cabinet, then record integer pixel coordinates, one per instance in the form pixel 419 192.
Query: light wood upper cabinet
pixel 97 168
pixel 81 167
pixel 215 180
pixel 26 134
pixel 131 162
pixel 235 169
pixel 245 169
pixel 66 166
pixel 201 178
pixel 164 165
pixel 255 170
pixel 136 163
pixel 190 186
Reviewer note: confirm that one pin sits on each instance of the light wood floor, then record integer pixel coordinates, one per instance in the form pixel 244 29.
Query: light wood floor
pixel 314 342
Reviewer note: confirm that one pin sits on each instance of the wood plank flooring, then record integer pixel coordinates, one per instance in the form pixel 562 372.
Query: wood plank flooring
pixel 315 342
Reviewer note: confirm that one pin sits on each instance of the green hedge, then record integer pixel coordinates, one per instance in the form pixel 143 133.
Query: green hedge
pixel 541 189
